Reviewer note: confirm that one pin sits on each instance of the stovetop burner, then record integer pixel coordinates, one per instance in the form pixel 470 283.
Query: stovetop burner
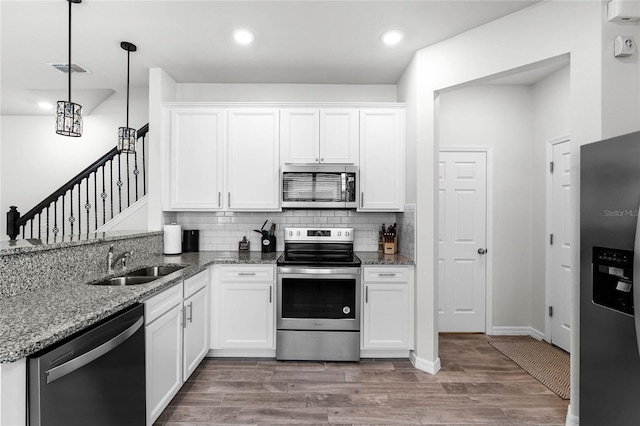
pixel 319 247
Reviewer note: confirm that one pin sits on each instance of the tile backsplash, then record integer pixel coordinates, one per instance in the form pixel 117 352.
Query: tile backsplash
pixel 223 230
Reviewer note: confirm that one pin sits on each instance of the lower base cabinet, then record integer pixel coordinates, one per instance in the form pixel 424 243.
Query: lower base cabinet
pixel 387 314
pixel 243 321
pixel 177 339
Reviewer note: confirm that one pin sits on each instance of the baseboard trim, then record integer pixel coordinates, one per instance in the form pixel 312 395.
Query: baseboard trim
pixel 517 331
pixel 571 419
pixel 384 353
pixel 423 364
pixel 241 353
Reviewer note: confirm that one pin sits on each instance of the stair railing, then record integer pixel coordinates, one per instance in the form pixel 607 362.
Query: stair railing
pixel 77 208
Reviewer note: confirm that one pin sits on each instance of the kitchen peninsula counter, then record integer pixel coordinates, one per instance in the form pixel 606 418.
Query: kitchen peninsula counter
pixel 35 319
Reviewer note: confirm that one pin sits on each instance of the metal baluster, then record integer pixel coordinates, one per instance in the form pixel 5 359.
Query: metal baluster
pixel 95 200
pixel 55 217
pixel 39 226
pixel 104 200
pixel 144 168
pixel 135 170
pixel 71 218
pixel 62 216
pixel 24 226
pixel 119 183
pixel 79 209
pixel 23 233
pixel 111 183
pixel 128 187
pixel 47 223
pixel 87 206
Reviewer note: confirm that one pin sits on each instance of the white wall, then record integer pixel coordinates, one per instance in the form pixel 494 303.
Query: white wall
pixel 542 31
pixel 286 93
pixel 551 108
pixel 35 161
pixel 500 118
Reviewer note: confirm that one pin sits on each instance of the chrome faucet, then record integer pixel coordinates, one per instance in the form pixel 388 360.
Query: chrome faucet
pixel 111 261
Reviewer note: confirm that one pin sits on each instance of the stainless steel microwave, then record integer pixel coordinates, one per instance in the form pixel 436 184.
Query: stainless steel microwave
pixel 320 187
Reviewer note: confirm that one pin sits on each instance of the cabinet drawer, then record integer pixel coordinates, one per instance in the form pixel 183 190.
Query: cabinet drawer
pixel 195 283
pixel 386 274
pixel 157 305
pixel 247 273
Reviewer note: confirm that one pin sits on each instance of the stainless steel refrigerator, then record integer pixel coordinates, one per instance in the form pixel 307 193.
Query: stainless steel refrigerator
pixel 609 355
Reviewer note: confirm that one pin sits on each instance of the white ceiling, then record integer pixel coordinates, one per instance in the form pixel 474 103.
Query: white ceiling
pixel 320 41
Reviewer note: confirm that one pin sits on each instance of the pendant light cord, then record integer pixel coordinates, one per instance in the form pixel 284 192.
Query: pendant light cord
pixel 128 58
pixel 69 63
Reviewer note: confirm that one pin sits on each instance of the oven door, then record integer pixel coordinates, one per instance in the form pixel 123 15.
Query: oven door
pixel 318 299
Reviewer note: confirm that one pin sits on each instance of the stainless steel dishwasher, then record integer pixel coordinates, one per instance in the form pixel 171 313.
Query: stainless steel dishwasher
pixel 96 377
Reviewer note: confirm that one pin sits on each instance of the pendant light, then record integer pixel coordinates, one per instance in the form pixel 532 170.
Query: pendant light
pixel 127 135
pixel 69 115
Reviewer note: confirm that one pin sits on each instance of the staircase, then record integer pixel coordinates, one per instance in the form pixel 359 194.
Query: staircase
pixel 89 200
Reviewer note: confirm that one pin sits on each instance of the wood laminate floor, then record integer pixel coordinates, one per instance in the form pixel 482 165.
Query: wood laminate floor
pixel 476 385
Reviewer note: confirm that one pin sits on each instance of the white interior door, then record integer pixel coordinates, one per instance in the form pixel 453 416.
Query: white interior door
pixel 560 247
pixel 462 238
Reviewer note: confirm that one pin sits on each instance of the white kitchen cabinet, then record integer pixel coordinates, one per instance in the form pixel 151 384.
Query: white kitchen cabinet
pixel 163 337
pixel 387 319
pixel 177 339
pixel 196 321
pixel 319 136
pixel 381 160
pixel 243 300
pixel 253 174
pixel 195 157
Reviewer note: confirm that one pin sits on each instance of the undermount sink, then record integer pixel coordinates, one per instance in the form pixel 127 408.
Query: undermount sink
pixel 125 280
pixel 140 276
pixel 154 271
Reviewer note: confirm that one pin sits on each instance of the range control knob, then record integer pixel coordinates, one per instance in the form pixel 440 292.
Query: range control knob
pixel 339 233
pixel 346 234
pixel 298 233
pixel 290 233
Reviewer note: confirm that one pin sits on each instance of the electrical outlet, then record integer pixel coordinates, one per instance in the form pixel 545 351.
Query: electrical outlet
pixel 623 46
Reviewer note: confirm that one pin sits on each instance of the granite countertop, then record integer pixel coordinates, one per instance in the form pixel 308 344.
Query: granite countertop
pixel 34 320
pixel 377 258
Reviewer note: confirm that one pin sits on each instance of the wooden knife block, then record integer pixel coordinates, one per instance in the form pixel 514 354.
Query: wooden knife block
pixel 392 247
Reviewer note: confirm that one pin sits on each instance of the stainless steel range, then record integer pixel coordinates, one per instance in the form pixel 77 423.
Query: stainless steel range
pixel 318 296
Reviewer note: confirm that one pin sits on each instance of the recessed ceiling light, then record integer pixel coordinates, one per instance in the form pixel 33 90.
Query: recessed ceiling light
pixel 392 37
pixel 45 105
pixel 243 36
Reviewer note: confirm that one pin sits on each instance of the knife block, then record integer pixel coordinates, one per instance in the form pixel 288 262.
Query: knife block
pixel 268 244
pixel 391 247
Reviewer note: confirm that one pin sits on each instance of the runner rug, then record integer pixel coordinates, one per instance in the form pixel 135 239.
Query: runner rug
pixel 548 364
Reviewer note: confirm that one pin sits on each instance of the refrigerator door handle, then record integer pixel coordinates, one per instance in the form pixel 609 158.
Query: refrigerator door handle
pixel 636 282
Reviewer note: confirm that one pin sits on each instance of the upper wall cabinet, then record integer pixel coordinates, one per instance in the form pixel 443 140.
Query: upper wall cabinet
pixel 381 160
pixel 319 136
pixel 196 158
pixel 253 181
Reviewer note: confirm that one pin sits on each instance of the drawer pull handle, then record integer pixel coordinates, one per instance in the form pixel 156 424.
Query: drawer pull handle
pixel 391 274
pixel 366 294
pixel 190 317
pixel 270 294
pixel 246 274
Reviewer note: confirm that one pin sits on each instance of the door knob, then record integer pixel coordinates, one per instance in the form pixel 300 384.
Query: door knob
pixel 482 251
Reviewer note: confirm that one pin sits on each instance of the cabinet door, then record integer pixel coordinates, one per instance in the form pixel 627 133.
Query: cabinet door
pixel 253 169
pixel 339 136
pixel 245 316
pixel 386 316
pixel 196 330
pixel 300 136
pixel 163 361
pixel 196 157
pixel 381 160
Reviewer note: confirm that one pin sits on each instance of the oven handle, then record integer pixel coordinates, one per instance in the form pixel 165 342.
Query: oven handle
pixel 319 271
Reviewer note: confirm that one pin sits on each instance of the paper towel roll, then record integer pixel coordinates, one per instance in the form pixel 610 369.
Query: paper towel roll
pixel 172 239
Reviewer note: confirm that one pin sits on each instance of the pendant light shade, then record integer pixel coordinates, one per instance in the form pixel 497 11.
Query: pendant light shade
pixel 69 114
pixel 127 135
